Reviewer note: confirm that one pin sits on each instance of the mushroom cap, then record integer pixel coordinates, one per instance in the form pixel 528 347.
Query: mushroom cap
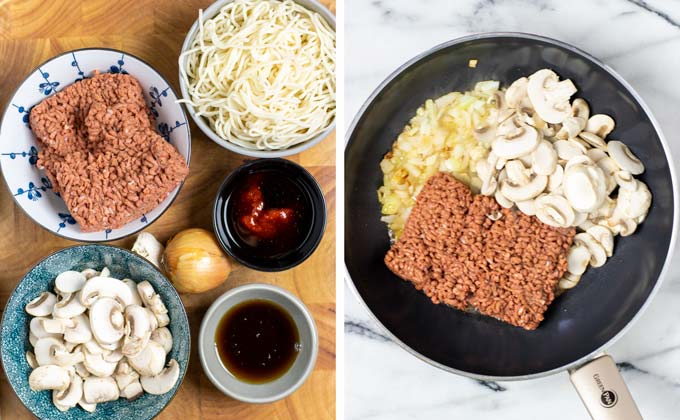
pixel 520 143
pixel 149 361
pixel 49 377
pixel 69 282
pixel 98 390
pixel 633 203
pixel 69 397
pixel 163 336
pixel 598 255
pixel 544 158
pixel 68 306
pixel 585 187
pixel 600 124
pixel 80 332
pixel 624 157
pixel 97 366
pixel 164 381
pixel 549 96
pixel 554 210
pixel 42 305
pixel 106 320
pixel 526 191
pixel 98 287
pixel 578 259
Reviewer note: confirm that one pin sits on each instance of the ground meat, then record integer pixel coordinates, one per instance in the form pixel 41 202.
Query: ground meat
pixel 453 250
pixel 101 152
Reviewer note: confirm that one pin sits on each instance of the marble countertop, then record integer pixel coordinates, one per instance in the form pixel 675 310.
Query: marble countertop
pixel 641 40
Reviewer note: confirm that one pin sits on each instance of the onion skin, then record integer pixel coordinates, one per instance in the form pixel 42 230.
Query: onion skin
pixel 194 261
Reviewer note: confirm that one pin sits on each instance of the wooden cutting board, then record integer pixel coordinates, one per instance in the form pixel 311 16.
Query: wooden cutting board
pixel 32 31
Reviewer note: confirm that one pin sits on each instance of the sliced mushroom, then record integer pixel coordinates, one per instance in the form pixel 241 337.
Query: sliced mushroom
pixel 69 282
pixel 598 255
pixel 485 133
pixel 133 391
pixel 105 272
pixel 526 191
pixel 544 159
pixel 567 149
pixel 604 236
pixel 500 199
pixel 80 332
pixel 99 390
pixel 36 328
pixel 42 305
pixel 45 349
pixel 132 285
pixel 69 397
pixel 68 306
pixel 555 179
pixel 109 347
pixel 163 319
pixel 517 173
pixel 550 96
pixel 125 375
pixel 164 381
pixel 81 370
pixel 57 325
pixel 578 160
pixel 516 94
pixel 554 210
pixel 633 203
pixel 569 280
pixel 94 348
pixel 137 330
pixel 624 157
pixel 578 259
pixel 585 187
pixel 98 287
pixel 149 361
pixel 96 365
pixel 527 207
pixel 49 377
pixel 113 356
pixel 90 408
pixel 89 273
pixel 580 108
pixel 163 337
pixel 593 140
pixel 596 154
pixel 600 124
pixel 571 127
pixel 31 360
pixel 625 180
pixel 106 320
pixel 511 146
pixel 151 299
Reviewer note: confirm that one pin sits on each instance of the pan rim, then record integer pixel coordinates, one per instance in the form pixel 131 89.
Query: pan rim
pixel 668 156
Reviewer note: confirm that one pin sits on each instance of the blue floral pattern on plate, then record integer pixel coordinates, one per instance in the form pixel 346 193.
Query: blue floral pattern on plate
pixel 19 148
pixel 33 191
pixel 31 154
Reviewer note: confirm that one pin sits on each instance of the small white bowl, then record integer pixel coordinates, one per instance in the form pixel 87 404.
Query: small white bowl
pixel 209 13
pixel 279 388
pixel 30 186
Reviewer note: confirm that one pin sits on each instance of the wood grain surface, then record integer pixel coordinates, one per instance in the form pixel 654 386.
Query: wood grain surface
pixel 32 31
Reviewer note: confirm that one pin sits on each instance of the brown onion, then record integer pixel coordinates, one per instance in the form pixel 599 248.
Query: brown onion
pixel 194 261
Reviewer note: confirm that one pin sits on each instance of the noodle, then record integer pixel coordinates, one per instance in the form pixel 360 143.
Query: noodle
pixel 262 73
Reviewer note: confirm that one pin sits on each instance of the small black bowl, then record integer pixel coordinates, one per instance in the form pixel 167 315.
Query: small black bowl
pixel 281 253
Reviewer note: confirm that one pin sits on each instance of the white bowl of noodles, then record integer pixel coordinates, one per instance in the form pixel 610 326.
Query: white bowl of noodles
pixel 258 76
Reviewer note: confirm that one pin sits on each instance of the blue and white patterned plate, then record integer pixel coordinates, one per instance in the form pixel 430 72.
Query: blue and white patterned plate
pixel 30 186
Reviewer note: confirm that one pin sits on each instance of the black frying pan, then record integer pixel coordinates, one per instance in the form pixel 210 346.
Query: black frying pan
pixel 578 324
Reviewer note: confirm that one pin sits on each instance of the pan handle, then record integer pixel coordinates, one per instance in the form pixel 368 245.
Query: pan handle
pixel 603 391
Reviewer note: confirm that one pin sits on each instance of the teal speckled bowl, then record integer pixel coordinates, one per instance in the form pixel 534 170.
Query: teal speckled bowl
pixel 15 326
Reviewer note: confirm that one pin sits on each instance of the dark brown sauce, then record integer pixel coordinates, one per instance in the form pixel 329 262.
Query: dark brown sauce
pixel 257 341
